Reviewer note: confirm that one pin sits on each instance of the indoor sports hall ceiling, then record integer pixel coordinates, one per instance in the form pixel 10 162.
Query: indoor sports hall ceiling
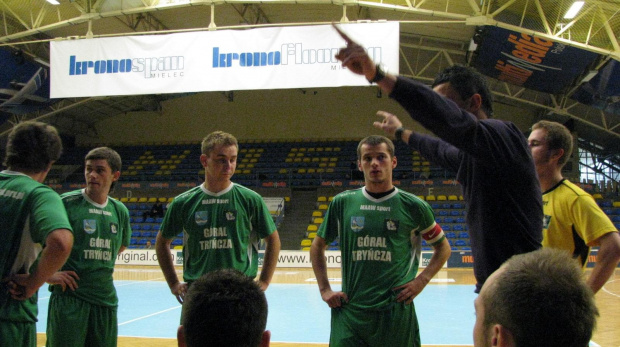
pixel 434 34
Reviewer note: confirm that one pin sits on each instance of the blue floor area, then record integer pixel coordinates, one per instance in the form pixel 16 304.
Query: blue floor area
pixel 296 312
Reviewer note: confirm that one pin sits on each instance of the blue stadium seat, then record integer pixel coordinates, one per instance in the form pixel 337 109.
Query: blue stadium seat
pixel 460 243
pixel 136 227
pixel 463 235
pixel 451 235
pixel 446 227
pixel 145 234
pixel 457 227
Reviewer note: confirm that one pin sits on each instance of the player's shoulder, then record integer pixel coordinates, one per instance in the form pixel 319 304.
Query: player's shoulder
pixel 571 189
pixel 348 194
pixel 188 194
pixel 72 196
pixel 117 204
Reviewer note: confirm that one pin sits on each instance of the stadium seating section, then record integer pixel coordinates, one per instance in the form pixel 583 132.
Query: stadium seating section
pixel 276 164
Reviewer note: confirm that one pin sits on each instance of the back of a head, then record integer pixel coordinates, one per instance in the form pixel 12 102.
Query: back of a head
pixel 543 300
pixel 32 146
pixel 467 82
pixel 224 308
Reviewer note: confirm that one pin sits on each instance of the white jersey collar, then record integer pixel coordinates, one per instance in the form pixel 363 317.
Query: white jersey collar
pixel 222 192
pixel 369 197
pixel 92 202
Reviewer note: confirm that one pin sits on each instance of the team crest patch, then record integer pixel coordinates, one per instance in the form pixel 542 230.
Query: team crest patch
pixel 201 217
pixel 546 221
pixel 357 223
pixel 391 225
pixel 113 228
pixel 90 226
pixel 230 215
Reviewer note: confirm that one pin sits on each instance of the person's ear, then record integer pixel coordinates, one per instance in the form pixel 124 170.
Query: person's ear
pixel 203 160
pixel 556 154
pixel 265 339
pixel 501 337
pixel 475 102
pixel 181 336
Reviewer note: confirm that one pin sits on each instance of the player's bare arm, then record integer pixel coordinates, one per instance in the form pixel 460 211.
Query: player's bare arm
pixel 319 266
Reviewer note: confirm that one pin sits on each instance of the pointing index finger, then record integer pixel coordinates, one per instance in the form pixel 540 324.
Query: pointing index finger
pixel 342 34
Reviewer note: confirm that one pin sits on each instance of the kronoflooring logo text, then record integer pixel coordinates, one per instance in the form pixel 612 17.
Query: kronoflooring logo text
pixel 289 54
pixel 153 67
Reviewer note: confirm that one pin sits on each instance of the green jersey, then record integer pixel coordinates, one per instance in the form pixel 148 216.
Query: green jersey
pixel 380 241
pixel 99 233
pixel 220 230
pixel 29 211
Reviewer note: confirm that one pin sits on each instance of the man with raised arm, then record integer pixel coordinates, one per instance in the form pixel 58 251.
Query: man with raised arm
pixel 490 157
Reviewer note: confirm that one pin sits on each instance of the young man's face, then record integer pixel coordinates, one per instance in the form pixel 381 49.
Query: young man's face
pixel 539 147
pixel 221 163
pixel 376 163
pixel 99 176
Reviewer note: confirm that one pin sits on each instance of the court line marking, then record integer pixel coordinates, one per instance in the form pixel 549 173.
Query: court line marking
pixel 434 280
pixel 149 315
pixel 130 282
pixel 607 291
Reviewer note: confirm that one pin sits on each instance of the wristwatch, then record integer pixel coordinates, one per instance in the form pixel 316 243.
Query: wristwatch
pixel 398 134
pixel 379 75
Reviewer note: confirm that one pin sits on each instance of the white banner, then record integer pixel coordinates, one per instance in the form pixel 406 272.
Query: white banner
pixel 266 58
pixel 286 259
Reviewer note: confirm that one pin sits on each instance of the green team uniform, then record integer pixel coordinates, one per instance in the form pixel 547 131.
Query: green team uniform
pixel 29 211
pixel 380 241
pixel 87 316
pixel 220 230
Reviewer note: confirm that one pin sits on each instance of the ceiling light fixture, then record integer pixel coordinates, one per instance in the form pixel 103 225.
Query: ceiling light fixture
pixel 53 2
pixel 572 11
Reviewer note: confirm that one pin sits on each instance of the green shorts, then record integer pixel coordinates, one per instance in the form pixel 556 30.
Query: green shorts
pixel 394 326
pixel 18 333
pixel 75 322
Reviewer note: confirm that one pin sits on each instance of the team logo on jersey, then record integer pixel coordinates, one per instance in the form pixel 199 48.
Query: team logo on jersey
pixel 357 223
pixel 546 221
pixel 113 228
pixel 201 217
pixel 230 215
pixel 90 226
pixel 391 225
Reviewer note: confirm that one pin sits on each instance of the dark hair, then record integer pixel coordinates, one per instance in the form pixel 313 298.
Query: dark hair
pixel 558 137
pixel 32 146
pixel 224 308
pixel 217 138
pixel 543 300
pixel 375 140
pixel 109 155
pixel 467 82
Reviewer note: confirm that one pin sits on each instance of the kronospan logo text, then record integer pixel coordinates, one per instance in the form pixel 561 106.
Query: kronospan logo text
pixel 173 66
pixel 154 67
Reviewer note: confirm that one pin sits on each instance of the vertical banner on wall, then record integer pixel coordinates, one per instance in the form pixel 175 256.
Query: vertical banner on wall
pixel 266 58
